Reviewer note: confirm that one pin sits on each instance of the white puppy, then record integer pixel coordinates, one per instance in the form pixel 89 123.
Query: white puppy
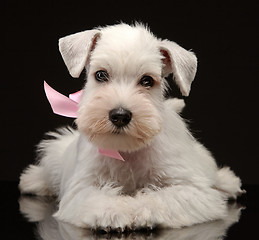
pixel 168 179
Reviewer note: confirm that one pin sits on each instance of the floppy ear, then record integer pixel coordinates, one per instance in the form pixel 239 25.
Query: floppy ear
pixel 75 50
pixel 180 62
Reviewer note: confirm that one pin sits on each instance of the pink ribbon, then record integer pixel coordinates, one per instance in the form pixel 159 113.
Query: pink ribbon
pixel 60 104
pixel 68 107
pixel 111 153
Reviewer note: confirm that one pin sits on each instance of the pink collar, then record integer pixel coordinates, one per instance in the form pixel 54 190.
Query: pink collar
pixel 68 107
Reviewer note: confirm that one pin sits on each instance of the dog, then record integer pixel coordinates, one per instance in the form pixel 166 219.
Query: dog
pixel 167 179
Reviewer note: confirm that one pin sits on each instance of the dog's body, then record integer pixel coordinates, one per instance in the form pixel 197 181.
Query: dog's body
pixel 168 179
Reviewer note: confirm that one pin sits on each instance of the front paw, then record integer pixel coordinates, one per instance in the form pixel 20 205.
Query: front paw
pixel 106 215
pixel 149 218
pixel 150 213
pixel 144 219
pixel 110 219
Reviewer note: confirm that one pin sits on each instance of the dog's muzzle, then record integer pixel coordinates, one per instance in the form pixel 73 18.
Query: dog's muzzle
pixel 120 117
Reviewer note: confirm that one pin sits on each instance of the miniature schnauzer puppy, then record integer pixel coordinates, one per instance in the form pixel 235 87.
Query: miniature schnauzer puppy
pixel 167 179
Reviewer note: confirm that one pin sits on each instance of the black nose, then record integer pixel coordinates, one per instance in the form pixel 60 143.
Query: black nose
pixel 120 117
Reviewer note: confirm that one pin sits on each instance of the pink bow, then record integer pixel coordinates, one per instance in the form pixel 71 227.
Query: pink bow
pixel 68 107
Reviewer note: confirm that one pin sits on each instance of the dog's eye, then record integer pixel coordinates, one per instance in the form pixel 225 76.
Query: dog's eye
pixel 146 81
pixel 101 76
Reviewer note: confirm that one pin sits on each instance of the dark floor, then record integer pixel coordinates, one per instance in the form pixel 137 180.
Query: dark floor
pixel 24 217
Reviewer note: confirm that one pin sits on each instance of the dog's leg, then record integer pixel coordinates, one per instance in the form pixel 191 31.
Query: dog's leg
pixel 174 207
pixel 33 181
pixel 44 178
pixel 178 206
pixel 96 208
pixel 228 183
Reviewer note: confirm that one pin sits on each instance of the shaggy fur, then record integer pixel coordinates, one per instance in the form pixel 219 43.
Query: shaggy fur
pixel 168 179
pixel 40 210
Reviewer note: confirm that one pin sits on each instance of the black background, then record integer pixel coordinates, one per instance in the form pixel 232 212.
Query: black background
pixel 222 107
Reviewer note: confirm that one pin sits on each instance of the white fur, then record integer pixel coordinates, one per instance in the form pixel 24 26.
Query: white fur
pixel 168 179
pixel 40 210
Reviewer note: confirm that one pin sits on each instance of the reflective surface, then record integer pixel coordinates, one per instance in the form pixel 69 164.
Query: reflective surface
pixel 29 217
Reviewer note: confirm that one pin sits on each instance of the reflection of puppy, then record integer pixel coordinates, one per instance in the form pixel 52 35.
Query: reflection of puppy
pixel 168 179
pixel 40 210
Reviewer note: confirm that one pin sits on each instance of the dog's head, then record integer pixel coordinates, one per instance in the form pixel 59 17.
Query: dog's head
pixel 122 107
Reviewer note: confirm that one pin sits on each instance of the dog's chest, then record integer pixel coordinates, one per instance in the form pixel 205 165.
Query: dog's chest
pixel 137 172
